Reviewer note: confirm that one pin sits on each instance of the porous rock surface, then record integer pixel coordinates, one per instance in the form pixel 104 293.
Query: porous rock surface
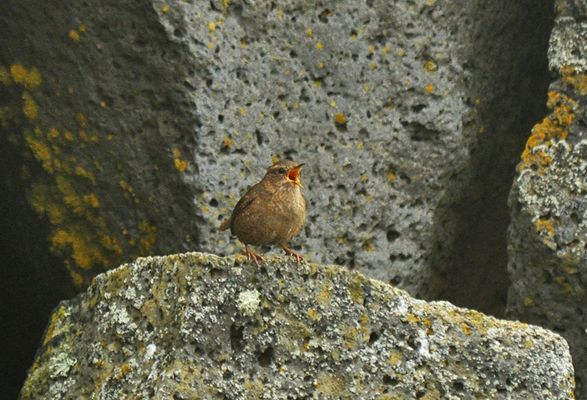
pixel 548 201
pixel 150 118
pixel 197 326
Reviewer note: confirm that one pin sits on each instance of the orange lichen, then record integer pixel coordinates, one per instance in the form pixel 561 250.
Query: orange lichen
pixel 553 127
pixel 574 79
pixel 429 88
pixel 180 165
pixel 545 225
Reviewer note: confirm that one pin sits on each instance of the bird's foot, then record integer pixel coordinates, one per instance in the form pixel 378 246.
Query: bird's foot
pixel 294 254
pixel 251 255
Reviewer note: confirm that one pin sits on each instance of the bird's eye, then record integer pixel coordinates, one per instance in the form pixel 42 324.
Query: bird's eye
pixel 282 170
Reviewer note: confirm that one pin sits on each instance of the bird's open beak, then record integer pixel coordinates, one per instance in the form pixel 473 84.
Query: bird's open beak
pixel 294 175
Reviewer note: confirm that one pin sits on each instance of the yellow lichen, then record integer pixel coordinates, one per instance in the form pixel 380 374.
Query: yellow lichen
pixel 528 302
pixel 430 66
pixel 68 136
pixel 81 119
pixel 180 165
pixel 227 142
pixel 53 133
pixel 29 107
pixel 41 151
pixel 33 79
pixel 18 73
pixel 323 295
pixel 330 386
pixel 310 32
pixel 319 45
pixel 73 35
pixel 57 318
pixel 355 289
pixel 350 335
pixel 340 119
pixel 395 357
pixel 150 236
pixel 313 314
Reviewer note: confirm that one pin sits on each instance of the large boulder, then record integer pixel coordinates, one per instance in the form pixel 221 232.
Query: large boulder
pixel 200 326
pixel 548 232
pixel 149 119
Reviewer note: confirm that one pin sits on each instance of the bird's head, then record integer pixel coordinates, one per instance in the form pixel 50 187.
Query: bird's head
pixel 285 172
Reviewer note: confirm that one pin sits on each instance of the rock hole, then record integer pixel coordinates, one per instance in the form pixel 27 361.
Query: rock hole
pixel 459 386
pixel 392 235
pixel 259 137
pixel 373 337
pixel 323 16
pixel 236 338
pixel 266 357
pixel 388 380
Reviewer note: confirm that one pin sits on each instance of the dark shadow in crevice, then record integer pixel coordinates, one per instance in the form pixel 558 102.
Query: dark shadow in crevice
pixel 508 67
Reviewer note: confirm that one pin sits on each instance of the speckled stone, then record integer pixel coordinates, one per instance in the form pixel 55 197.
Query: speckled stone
pixel 153 117
pixel 198 326
pixel 548 201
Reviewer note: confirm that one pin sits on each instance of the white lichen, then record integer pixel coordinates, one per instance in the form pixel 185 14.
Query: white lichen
pixel 248 302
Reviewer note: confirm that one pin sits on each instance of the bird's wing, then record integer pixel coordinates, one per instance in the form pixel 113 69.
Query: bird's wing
pixel 256 192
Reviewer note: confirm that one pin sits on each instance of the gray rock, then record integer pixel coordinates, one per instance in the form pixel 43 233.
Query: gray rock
pixel 548 232
pixel 200 326
pixel 152 118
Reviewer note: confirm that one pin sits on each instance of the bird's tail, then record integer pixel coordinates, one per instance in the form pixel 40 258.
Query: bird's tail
pixel 224 225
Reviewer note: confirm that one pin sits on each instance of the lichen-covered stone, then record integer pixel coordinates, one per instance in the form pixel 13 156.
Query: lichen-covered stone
pixel 548 232
pixel 197 326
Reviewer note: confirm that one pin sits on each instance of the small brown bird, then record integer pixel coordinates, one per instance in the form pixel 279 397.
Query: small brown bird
pixel 271 212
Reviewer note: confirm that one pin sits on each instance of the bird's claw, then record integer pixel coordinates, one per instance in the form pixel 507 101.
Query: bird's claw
pixel 298 257
pixel 251 255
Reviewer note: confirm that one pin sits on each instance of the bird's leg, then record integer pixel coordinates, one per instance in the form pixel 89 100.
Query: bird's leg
pixel 251 255
pixel 292 253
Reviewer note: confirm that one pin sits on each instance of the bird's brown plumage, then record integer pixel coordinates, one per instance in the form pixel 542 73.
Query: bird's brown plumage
pixel 272 212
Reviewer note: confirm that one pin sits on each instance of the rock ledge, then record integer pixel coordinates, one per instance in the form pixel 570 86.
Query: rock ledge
pixel 200 326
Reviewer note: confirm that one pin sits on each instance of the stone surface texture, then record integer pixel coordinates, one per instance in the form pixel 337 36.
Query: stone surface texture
pixel 548 233
pixel 198 326
pixel 150 118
